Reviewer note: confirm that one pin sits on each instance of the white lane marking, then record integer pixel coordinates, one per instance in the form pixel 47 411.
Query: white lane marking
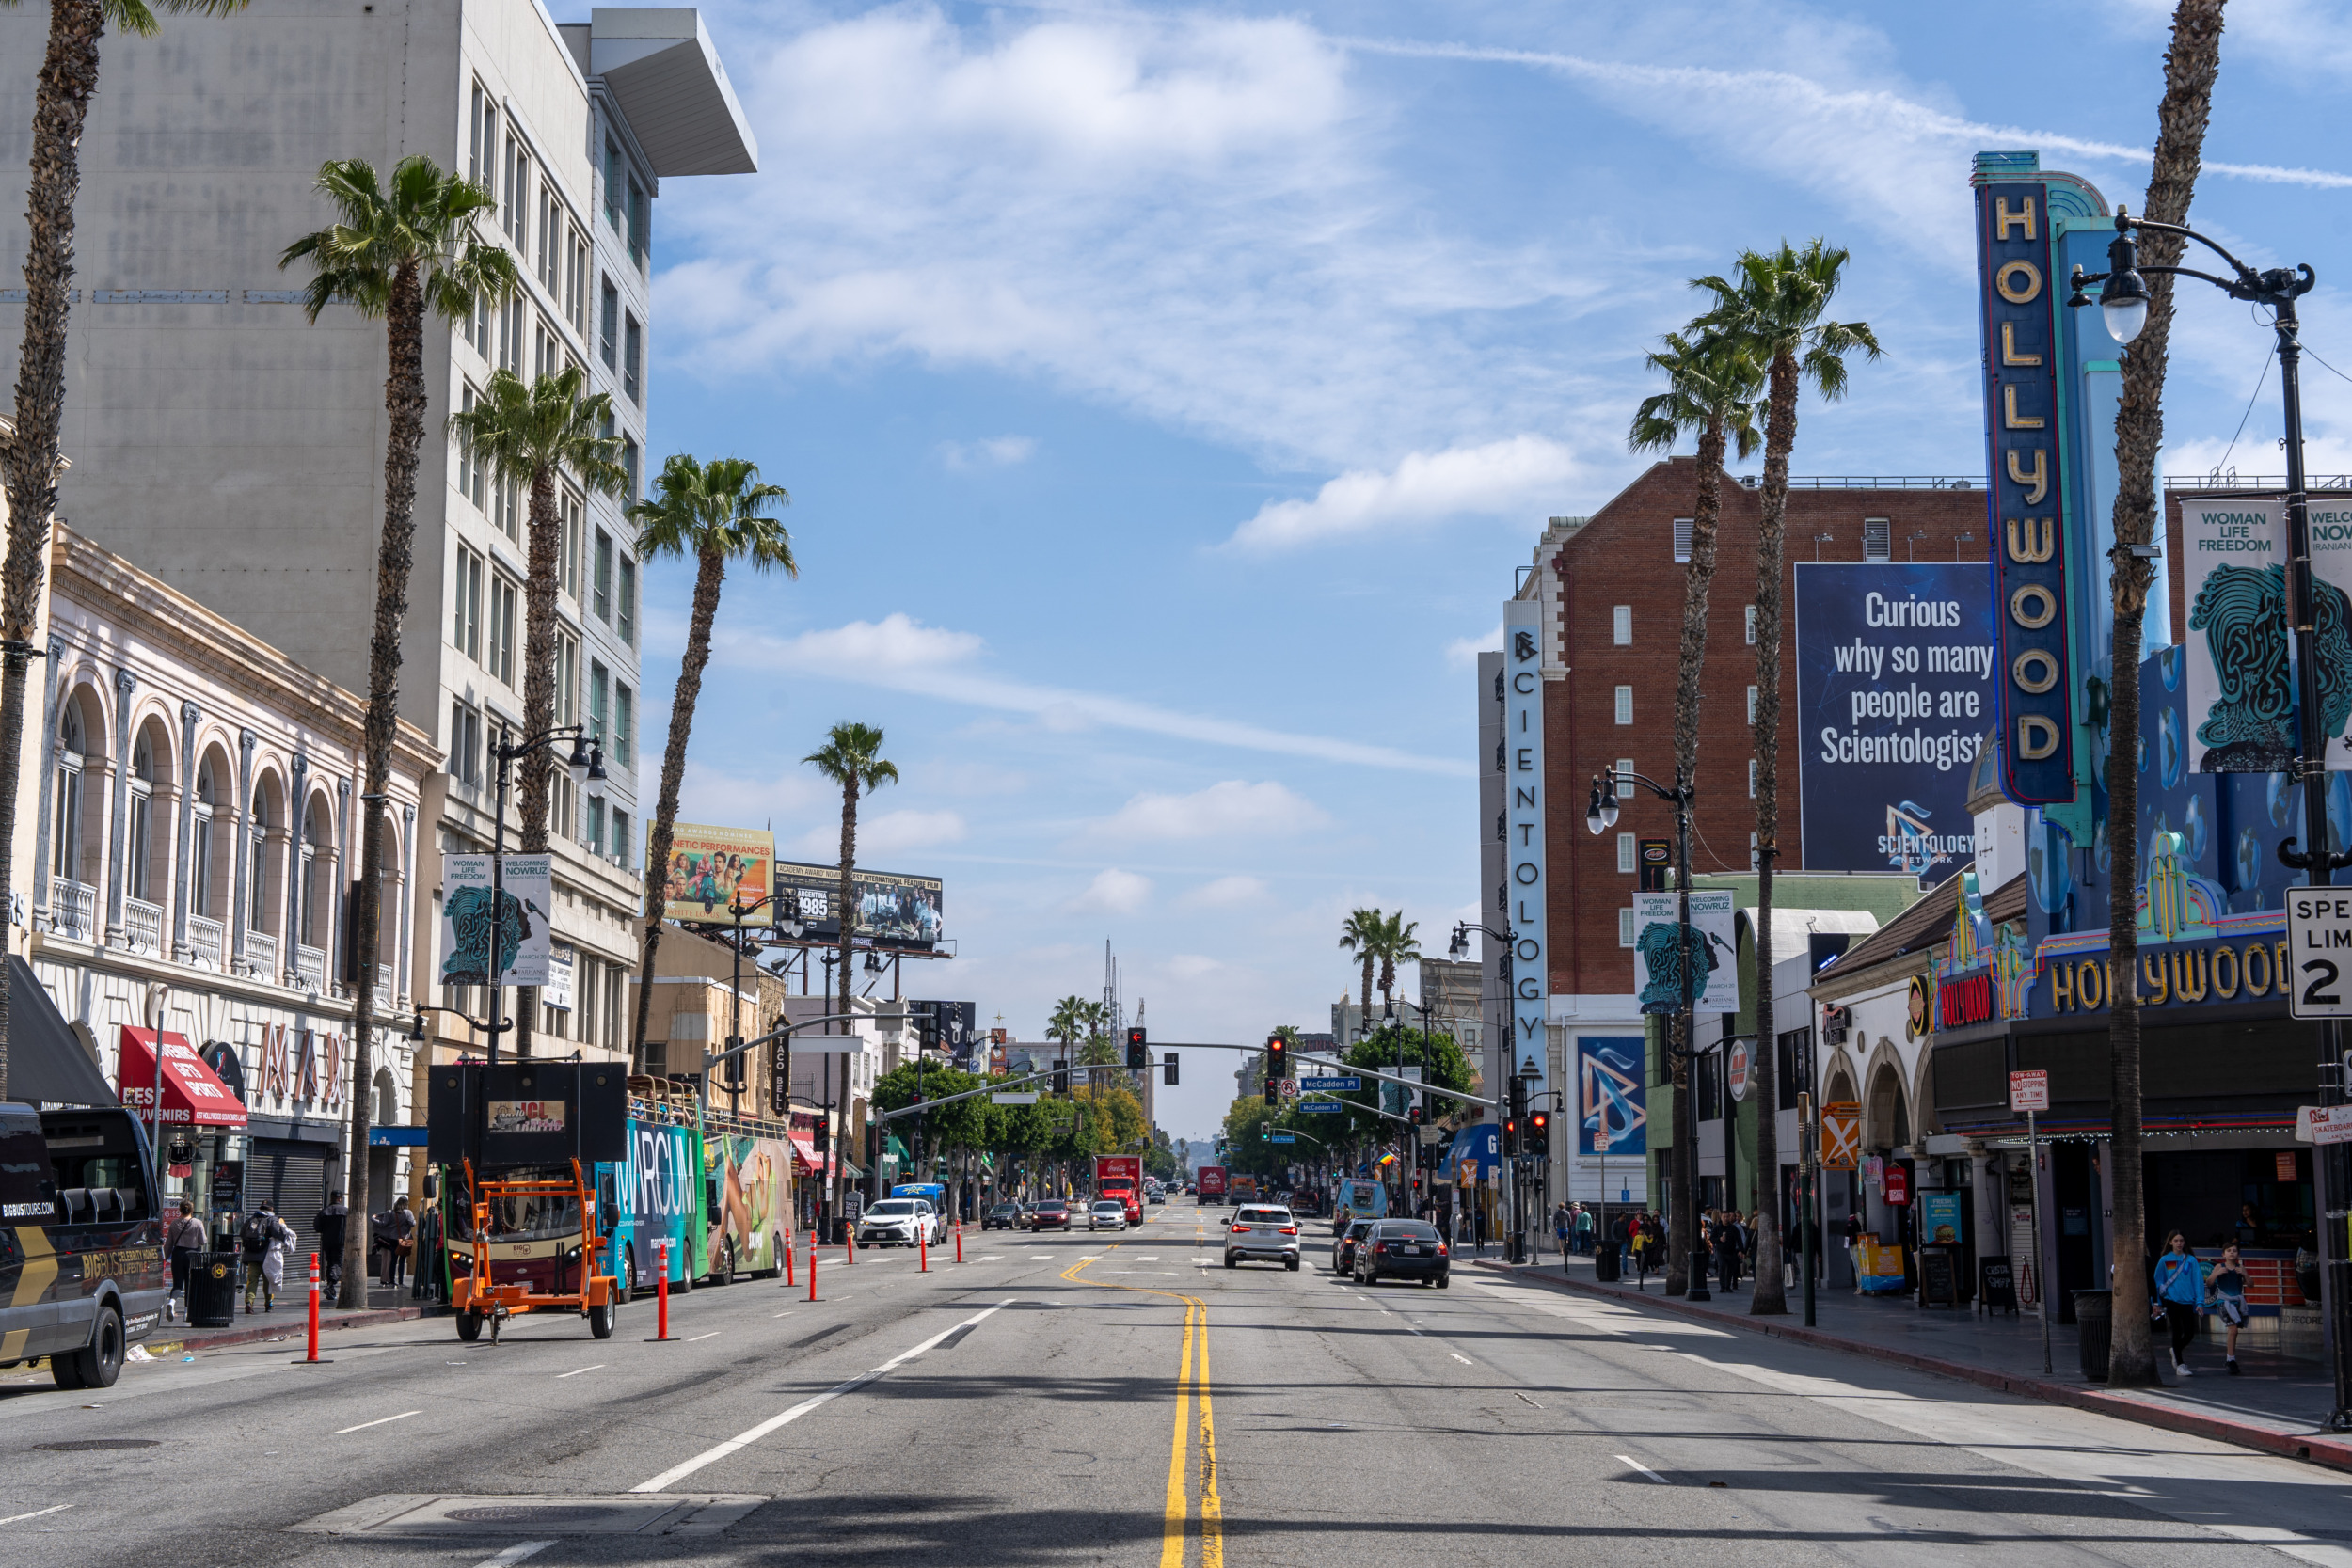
pixel 385 1421
pixel 577 1370
pixel 36 1513
pixel 1644 1470
pixel 991 1258
pixel 712 1335
pixel 786 1313
pixel 1144 1260
pixel 1463 1360
pixel 515 1554
pixel 676 1473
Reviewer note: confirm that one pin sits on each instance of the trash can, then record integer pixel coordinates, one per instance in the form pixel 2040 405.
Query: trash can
pixel 2095 1329
pixel 1605 1263
pixel 213 1289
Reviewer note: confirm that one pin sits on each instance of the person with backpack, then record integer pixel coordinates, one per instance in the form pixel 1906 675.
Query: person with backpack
pixel 332 1225
pixel 264 1241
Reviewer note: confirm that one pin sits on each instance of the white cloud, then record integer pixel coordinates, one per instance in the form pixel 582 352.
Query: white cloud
pixel 1226 893
pixel 1228 810
pixel 1497 478
pixel 707 795
pixel 902 654
pixel 888 832
pixel 996 452
pixel 1113 892
pixel 1462 653
pixel 1191 967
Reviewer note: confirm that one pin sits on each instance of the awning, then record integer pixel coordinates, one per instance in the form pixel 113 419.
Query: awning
pixel 47 1064
pixel 804 1151
pixel 193 1093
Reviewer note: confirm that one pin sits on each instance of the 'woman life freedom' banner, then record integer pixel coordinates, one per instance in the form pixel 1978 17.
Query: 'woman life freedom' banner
pixel 2241 666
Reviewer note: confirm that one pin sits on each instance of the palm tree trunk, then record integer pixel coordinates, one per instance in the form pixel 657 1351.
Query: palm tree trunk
pixel 1366 1015
pixel 709 576
pixel 28 457
pixel 2189 68
pixel 1767 1294
pixel 404 405
pixel 535 770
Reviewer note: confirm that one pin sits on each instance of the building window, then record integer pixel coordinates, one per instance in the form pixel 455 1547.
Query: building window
pixel 471 466
pixel 1624 704
pixel 517 210
pixel 592 825
pixel 1751 624
pixel 1750 705
pixel 567 545
pixel 1878 538
pixel 629 468
pixel 1625 864
pixel 576 284
pixel 547 354
pixel 465 744
pixel 482 152
pixel 600 701
pixel 200 844
pixel 1624 765
pixel 505 599
pixel 567 678
pixel 1682 537
pixel 625 725
pixel 624 849
pixel 1621 626
pixel 66 858
pixel 139 841
pixel 1754 860
pixel 1751 778
pixel 562 797
pixel 612 183
pixel 609 327
pixel 625 611
pixel 1625 927
pixel 601 599
pixel 633 352
pixel 257 905
pixel 640 224
pixel 551 231
pixel 512 334
pixel 465 628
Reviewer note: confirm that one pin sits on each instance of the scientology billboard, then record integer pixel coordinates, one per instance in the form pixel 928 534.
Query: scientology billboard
pixel 1894 699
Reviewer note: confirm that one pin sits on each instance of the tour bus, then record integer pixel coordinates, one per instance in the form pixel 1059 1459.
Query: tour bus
pixel 81 1243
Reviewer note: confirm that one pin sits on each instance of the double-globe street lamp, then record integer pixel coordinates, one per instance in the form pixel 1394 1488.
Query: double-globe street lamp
pixel 2124 301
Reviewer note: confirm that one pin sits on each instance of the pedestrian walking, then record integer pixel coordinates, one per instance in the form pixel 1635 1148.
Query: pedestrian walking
pixel 2225 1293
pixel 264 1241
pixel 403 1242
pixel 1584 1231
pixel 2180 1296
pixel 185 1242
pixel 1641 1240
pixel 332 1225
pixel 1560 1230
pixel 1728 1253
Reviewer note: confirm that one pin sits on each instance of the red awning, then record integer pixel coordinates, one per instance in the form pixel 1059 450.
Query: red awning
pixel 804 1149
pixel 193 1093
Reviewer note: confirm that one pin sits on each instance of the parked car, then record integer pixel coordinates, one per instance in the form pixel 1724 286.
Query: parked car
pixel 1051 1214
pixel 1263 1232
pixel 897 1222
pixel 1107 1213
pixel 1005 1217
pixel 1402 1249
pixel 1344 1244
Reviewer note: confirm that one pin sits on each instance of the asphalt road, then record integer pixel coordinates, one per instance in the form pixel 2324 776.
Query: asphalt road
pixel 1114 1399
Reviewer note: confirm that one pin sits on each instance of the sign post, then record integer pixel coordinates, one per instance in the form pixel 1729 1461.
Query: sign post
pixel 2319 986
pixel 2029 1092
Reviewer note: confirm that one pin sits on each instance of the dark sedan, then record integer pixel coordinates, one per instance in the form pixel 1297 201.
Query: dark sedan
pixel 1344 1244
pixel 1402 1249
pixel 1052 1215
pixel 1002 1217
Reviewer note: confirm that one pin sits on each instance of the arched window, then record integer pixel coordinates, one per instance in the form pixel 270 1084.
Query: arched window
pixel 256 865
pixel 140 842
pixel 200 847
pixel 65 861
pixel 314 869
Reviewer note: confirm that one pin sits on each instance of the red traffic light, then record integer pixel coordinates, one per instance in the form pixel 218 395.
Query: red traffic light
pixel 1539 1125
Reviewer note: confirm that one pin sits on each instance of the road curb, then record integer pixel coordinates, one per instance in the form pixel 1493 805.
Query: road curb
pixel 289 1329
pixel 2314 1448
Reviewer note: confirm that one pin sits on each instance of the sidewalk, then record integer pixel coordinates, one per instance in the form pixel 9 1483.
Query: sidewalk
pixel 2275 1405
pixel 289 1322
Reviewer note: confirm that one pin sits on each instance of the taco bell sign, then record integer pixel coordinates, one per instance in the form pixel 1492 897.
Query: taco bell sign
pixel 1523 830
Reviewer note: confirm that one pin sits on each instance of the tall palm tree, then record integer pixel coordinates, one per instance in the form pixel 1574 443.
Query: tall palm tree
pixel 529 436
pixel 1711 386
pixel 851 757
pixel 1778 311
pixel 1359 934
pixel 715 513
pixel 1397 946
pixel 2189 68
pixel 400 250
pixel 28 443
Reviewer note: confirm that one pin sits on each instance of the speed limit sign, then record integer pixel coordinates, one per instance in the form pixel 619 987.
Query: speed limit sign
pixel 2319 952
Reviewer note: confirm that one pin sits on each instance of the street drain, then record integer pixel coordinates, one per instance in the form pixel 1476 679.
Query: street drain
pixel 97 1445
pixel 552 1515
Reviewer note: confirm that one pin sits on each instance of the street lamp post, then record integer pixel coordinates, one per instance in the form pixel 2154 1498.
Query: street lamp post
pixel 1458 950
pixel 2123 302
pixel 1682 1203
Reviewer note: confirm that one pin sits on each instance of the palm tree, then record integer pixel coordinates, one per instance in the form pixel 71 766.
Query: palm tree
pixel 1360 935
pixel 2189 68
pixel 29 444
pixel 1777 312
pixel 400 251
pixel 1397 946
pixel 715 513
pixel 1711 386
pixel 851 757
pixel 529 434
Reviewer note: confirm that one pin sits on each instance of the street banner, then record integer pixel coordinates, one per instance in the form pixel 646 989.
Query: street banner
pixel 562 964
pixel 1893 700
pixel 1612 1115
pixel 2241 697
pixel 519 923
pixel 1659 953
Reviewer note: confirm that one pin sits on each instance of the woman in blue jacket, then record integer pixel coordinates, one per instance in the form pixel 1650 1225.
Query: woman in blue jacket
pixel 2181 1292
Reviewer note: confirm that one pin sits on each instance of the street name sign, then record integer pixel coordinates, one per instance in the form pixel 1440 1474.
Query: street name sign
pixel 1002 1098
pixel 1281 1137
pixel 2030 1091
pixel 1332 1085
pixel 1324 1105
pixel 2319 952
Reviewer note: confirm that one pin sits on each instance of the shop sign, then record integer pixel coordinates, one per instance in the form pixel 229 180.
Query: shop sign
pixel 1965 1000
pixel 1841 1135
pixel 2174 973
pixel 1524 781
pixel 1736 1069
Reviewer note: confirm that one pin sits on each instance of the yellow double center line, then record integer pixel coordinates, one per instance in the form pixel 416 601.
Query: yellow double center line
pixel 1192 1377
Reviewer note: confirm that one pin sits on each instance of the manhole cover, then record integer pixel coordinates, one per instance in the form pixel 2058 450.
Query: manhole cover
pixel 97 1445
pixel 550 1515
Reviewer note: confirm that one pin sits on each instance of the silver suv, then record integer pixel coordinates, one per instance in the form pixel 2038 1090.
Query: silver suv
pixel 1263 1230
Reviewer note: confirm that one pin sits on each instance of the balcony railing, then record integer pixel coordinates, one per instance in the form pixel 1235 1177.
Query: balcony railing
pixel 205 937
pixel 143 927
pixel 261 955
pixel 74 908
pixel 309 966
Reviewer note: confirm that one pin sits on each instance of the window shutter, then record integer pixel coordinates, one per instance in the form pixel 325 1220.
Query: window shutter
pixel 1878 538
pixel 1682 538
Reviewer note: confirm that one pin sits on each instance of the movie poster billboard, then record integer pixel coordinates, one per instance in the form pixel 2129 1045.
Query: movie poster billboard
pixel 713 871
pixel 893 910
pixel 1713 979
pixel 1895 696
pixel 526 891
pixel 1613 1112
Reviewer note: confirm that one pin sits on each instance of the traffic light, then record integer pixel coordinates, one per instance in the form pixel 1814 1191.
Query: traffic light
pixel 1138 1057
pixel 1062 1077
pixel 1413 1112
pixel 1168 1070
pixel 1510 1137
pixel 820 1136
pixel 1539 1133
pixel 925 1017
pixel 1278 1061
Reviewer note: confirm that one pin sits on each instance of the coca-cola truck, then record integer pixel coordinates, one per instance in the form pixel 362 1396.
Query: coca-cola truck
pixel 1120 1176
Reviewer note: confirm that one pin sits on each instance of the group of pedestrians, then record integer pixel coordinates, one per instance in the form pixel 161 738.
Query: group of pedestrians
pixel 264 1242
pixel 2185 1293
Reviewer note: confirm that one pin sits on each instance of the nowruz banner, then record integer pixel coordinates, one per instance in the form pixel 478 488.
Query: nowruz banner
pixel 1712 979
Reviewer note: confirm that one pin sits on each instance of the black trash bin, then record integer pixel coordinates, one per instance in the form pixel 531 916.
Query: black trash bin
pixel 2095 1329
pixel 1605 1263
pixel 213 1289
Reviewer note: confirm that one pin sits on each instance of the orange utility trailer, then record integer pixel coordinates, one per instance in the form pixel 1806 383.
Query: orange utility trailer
pixel 478 1297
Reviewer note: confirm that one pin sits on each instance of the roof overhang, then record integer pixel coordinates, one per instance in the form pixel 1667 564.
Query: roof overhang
pixel 663 71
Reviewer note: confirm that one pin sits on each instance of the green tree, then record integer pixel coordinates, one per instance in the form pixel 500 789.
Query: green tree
pixel 717 514
pixel 851 757
pixel 529 436
pixel 1396 945
pixel 1778 313
pixel 400 251
pixel 1359 934
pixel 29 453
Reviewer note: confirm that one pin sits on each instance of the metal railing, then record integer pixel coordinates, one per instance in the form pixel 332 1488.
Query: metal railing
pixel 2312 483
pixel 261 955
pixel 205 940
pixel 143 927
pixel 309 966
pixel 1871 482
pixel 74 908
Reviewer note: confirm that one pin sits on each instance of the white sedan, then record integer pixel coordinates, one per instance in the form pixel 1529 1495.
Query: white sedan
pixel 898 1222
pixel 1107 1213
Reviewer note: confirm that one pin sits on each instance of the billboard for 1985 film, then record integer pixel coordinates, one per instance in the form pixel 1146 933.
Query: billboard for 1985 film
pixel 893 910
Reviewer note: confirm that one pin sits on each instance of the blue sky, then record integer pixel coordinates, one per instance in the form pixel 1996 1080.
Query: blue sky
pixel 1167 395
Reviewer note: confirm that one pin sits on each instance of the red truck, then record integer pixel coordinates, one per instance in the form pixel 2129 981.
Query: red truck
pixel 1209 1182
pixel 1120 1176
